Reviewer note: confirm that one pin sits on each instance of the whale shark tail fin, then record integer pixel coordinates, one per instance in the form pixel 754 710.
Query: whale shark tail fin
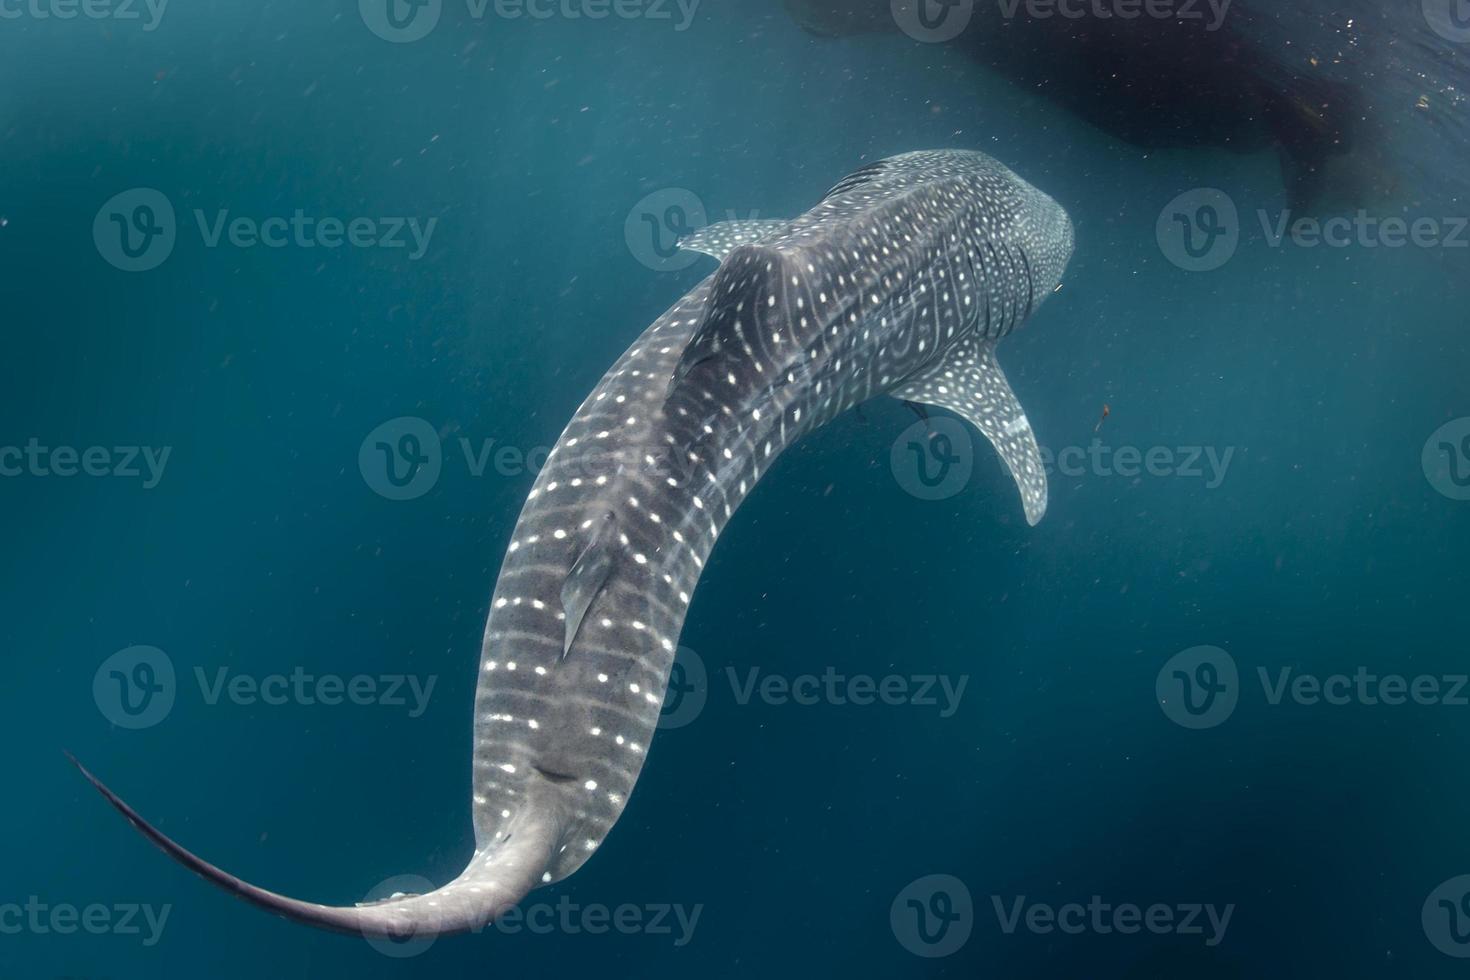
pixel 494 882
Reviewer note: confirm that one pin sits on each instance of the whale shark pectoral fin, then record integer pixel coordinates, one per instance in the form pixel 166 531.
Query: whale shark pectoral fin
pixel 587 578
pixel 723 237
pixel 970 383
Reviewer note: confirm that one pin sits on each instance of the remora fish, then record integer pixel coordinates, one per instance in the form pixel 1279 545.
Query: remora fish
pixel 900 282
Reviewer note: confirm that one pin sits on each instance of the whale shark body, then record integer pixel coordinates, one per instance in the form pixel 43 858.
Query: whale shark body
pixel 900 281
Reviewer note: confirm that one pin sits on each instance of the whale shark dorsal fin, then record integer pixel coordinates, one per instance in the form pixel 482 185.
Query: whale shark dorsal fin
pixel 723 237
pixel 748 289
pixel 970 383
pixel 586 579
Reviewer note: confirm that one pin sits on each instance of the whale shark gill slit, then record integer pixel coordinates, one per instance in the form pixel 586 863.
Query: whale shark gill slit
pixel 555 777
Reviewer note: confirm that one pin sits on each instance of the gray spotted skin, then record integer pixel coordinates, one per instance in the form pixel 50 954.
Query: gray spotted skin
pixel 586 714
pixel 915 265
pixel 899 281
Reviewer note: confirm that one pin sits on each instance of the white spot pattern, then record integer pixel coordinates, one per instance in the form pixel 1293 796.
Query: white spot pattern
pixel 899 281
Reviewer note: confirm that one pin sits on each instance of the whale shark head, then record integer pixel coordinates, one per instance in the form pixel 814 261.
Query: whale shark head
pixel 1054 239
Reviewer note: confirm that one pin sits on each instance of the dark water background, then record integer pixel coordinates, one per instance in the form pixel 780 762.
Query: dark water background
pixel 262 549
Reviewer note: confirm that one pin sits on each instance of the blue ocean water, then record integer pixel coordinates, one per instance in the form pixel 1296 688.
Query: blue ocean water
pixel 1304 519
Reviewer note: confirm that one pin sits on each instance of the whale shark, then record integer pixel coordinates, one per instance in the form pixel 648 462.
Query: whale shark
pixel 901 281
